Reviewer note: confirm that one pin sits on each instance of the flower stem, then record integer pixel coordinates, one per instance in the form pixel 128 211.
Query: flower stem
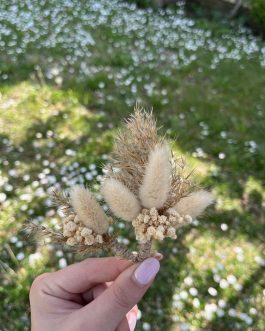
pixel 122 251
pixel 144 251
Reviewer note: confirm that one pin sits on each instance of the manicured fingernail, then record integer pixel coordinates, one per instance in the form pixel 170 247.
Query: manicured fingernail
pixel 146 271
pixel 158 256
pixel 132 318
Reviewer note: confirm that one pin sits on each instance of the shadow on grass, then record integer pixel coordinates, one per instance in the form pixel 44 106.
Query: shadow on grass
pixel 246 224
pixel 160 295
pixel 229 324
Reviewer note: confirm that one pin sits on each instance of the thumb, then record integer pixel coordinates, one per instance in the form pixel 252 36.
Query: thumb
pixel 109 309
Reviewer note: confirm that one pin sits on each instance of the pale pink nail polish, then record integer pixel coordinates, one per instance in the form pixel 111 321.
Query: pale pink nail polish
pixel 146 271
pixel 132 319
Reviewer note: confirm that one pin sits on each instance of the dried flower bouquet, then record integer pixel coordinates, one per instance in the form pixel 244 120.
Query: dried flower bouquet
pixel 144 185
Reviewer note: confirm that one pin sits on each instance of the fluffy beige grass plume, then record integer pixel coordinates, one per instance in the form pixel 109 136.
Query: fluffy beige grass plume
pixel 88 209
pixel 156 182
pixel 120 199
pixel 195 203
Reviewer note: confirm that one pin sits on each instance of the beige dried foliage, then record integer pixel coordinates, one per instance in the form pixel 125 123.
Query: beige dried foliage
pixel 144 184
pixel 120 199
pixel 88 209
pixel 195 203
pixel 132 146
pixel 182 182
pixel 156 181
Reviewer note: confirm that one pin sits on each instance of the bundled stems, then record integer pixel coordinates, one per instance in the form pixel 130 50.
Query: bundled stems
pixel 122 251
pixel 144 251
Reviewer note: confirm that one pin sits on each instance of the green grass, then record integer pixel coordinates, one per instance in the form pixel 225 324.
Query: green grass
pixel 60 131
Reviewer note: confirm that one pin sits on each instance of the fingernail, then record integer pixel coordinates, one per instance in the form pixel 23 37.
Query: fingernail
pixel 132 318
pixel 146 271
pixel 158 256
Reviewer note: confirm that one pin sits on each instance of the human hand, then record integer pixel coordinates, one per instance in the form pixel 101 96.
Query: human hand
pixel 78 298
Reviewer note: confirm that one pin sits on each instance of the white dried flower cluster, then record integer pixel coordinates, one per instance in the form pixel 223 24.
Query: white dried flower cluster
pixel 77 233
pixel 150 225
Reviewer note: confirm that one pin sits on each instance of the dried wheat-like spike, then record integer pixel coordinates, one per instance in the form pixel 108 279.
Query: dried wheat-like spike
pixel 121 200
pixel 194 204
pixel 132 146
pixel 41 231
pixel 62 200
pixel 156 182
pixel 182 181
pixel 88 210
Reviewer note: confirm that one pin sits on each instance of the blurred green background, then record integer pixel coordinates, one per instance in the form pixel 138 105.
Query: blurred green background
pixel 70 71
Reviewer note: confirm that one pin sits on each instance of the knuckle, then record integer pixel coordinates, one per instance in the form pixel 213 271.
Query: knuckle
pixel 122 297
pixel 38 283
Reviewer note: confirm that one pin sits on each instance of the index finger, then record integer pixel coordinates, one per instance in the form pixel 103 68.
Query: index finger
pixel 81 276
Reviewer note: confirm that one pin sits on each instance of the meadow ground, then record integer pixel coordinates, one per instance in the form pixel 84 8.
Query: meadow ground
pixel 69 72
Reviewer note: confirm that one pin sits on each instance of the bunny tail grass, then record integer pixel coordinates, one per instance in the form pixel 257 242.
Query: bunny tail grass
pixel 121 200
pixel 88 209
pixel 194 204
pixel 156 182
